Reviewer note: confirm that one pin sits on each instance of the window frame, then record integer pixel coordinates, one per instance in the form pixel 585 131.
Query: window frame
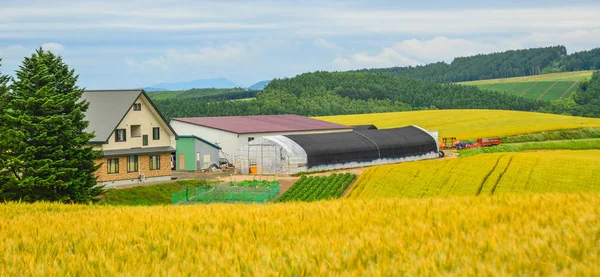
pixel 156 133
pixel 135 162
pixel 144 140
pixel 117 135
pixel 114 162
pixel 137 107
pixel 157 165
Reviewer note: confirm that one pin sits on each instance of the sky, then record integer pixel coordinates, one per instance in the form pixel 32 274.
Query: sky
pixel 132 44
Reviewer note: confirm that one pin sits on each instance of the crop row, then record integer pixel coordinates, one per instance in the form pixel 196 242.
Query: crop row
pixel 255 184
pixel 315 188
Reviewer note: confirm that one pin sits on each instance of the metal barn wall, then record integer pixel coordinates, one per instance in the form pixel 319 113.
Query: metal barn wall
pixel 192 149
pixel 232 143
pixel 205 149
pixel 226 140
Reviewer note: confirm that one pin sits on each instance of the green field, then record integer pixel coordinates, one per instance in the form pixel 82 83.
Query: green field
pixel 147 195
pixel 576 144
pixel 541 87
pixel 316 188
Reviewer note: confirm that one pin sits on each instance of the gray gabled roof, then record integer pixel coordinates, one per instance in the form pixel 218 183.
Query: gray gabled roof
pixel 108 108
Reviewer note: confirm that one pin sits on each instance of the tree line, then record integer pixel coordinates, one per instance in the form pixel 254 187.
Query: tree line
pixel 332 93
pixel 205 94
pixel 513 63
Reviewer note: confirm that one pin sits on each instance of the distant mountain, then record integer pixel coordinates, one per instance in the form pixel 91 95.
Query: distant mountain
pixel 200 83
pixel 260 85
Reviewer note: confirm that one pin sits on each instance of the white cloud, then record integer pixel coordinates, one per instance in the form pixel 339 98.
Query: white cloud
pixel 13 50
pixel 325 44
pixel 291 18
pixel 53 47
pixel 207 56
pixel 414 52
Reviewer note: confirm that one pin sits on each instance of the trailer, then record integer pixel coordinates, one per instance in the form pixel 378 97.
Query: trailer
pixel 483 142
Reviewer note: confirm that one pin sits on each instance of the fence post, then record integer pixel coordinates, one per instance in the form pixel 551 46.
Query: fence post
pixel 187 194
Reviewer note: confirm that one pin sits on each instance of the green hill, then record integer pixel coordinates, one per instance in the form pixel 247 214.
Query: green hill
pixel 549 87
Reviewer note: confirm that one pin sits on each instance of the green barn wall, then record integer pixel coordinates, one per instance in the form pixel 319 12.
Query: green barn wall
pixel 185 146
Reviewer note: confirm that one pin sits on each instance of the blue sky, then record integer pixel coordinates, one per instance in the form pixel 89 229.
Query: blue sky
pixel 129 44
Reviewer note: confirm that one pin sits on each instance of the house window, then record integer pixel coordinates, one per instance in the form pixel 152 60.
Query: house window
pixel 137 107
pixel 250 139
pixel 154 162
pixel 156 133
pixel 132 163
pixel 121 135
pixel 136 131
pixel 113 166
pixel 145 140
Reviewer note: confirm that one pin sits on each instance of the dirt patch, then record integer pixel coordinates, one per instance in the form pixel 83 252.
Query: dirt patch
pixel 450 154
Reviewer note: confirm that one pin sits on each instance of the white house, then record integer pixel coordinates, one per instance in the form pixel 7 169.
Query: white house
pixel 135 139
pixel 232 133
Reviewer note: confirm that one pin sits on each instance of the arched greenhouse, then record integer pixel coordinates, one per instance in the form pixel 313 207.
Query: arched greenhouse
pixel 290 154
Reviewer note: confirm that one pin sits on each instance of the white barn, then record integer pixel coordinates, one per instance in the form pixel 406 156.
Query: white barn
pixel 232 133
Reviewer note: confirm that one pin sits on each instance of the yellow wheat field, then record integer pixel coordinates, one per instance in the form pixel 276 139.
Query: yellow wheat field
pixel 470 124
pixel 526 235
pixel 553 171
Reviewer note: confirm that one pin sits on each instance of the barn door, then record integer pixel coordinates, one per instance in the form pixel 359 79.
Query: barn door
pixel 181 161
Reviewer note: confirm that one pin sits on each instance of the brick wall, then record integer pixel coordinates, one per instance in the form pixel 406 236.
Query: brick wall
pixel 143 166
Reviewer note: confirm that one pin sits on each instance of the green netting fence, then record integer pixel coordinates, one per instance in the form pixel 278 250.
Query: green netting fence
pixel 243 192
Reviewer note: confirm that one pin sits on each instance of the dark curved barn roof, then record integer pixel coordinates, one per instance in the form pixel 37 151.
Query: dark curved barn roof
pixel 364 145
pixel 364 127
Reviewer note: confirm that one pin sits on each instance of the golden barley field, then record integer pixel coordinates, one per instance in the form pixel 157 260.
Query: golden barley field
pixel 485 174
pixel 469 124
pixel 519 235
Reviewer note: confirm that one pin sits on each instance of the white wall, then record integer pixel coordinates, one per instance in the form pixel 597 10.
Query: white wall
pixel 147 118
pixel 226 140
pixel 231 143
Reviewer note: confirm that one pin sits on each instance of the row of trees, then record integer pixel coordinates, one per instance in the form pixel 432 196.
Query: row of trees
pixel 206 94
pixel 511 63
pixel 44 151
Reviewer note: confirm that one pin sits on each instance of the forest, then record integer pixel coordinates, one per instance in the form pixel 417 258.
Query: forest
pixel 332 93
pixel 513 63
pixel 205 94
pixel 398 89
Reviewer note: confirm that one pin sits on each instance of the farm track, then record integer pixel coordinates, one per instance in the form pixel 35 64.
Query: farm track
pixel 565 94
pixel 487 176
pixel 525 91
pixel 502 174
pixel 546 91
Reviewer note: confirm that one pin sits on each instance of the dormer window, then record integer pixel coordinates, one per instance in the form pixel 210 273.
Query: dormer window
pixel 137 106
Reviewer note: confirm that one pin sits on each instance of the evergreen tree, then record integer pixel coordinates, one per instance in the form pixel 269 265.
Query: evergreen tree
pixel 42 134
pixel 4 170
